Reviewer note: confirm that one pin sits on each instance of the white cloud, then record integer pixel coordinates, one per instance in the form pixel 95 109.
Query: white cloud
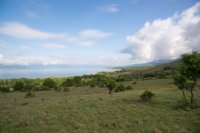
pixel 94 34
pixel 87 43
pixel 21 31
pixel 113 8
pixel 27 60
pixel 167 38
pixel 1 56
pixel 71 59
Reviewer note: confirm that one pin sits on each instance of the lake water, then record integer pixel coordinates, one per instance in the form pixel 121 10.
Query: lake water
pixel 50 72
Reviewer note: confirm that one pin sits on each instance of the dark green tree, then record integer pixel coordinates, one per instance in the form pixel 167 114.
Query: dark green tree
pixel 110 84
pixel 190 68
pixel 180 82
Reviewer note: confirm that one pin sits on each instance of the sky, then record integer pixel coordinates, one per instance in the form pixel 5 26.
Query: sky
pixel 97 32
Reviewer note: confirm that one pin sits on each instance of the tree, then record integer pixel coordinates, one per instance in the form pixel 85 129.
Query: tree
pixel 180 82
pixel 190 68
pixel 50 83
pixel 110 84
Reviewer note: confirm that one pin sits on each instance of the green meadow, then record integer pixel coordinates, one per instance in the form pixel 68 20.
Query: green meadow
pixel 92 110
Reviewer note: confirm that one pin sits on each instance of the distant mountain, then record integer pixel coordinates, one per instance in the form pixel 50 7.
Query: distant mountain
pixel 152 63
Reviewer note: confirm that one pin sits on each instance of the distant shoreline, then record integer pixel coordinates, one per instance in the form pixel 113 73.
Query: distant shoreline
pixel 34 73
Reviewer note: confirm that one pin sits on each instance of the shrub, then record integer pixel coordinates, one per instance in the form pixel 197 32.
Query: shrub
pixel 146 96
pixel 120 87
pixel 19 86
pixel 92 85
pixel 77 81
pixel 4 88
pixel 129 87
pixel 134 83
pixel 50 83
pixel 68 82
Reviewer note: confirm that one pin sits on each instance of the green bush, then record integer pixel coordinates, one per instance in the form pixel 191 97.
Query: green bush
pixel 134 83
pixel 92 85
pixel 4 88
pixel 77 81
pixel 120 88
pixel 68 82
pixel 19 86
pixel 129 87
pixel 50 83
pixel 146 96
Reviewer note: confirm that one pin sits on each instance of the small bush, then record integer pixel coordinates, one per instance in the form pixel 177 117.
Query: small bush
pixel 29 94
pixel 134 83
pixel 92 85
pixel 120 87
pixel 19 86
pixel 4 88
pixel 146 96
pixel 129 87
pixel 50 83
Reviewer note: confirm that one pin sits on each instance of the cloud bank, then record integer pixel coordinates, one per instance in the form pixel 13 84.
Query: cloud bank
pixel 167 38
pixel 21 31
pixel 99 60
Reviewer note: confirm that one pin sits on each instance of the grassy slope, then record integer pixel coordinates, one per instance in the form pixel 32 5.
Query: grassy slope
pixel 84 110
pixel 149 69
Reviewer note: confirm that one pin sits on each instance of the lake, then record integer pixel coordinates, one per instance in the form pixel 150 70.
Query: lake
pixel 43 72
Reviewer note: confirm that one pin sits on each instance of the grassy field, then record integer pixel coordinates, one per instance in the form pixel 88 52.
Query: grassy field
pixel 92 110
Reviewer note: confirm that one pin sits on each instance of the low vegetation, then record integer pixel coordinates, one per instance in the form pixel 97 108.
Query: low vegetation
pixel 147 96
pixel 82 103
pixel 188 75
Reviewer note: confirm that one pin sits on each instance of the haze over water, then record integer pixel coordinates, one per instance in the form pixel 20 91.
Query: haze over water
pixel 8 73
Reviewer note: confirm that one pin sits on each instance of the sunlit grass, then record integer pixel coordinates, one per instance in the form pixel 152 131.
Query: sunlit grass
pixel 86 109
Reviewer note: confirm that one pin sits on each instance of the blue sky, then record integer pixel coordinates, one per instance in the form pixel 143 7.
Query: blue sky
pixel 96 32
